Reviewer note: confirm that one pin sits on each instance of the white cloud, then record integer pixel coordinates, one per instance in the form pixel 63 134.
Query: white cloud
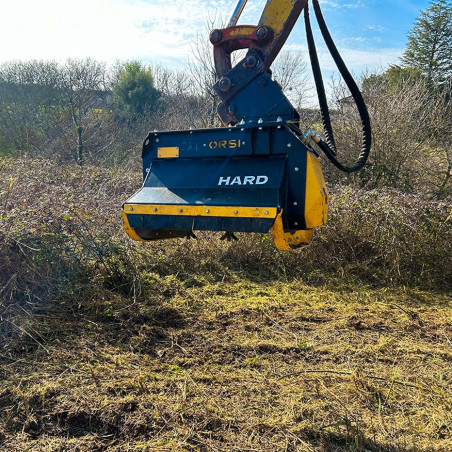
pixel 338 4
pixel 376 28
pixel 356 60
pixel 150 30
pixel 102 29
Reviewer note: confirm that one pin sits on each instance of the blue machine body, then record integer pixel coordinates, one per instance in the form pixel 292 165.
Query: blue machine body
pixel 245 166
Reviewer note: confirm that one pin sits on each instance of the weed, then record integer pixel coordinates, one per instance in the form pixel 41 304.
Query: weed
pixel 303 344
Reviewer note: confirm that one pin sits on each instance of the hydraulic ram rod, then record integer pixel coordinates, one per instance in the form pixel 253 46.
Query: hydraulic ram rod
pixel 236 14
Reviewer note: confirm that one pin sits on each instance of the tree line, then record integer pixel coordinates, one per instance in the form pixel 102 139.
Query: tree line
pixel 81 109
pixel 86 111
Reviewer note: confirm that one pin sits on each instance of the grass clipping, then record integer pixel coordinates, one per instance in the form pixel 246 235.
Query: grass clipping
pixel 112 345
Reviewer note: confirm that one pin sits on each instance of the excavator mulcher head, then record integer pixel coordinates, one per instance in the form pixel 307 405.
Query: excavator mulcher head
pixel 237 179
pixel 259 172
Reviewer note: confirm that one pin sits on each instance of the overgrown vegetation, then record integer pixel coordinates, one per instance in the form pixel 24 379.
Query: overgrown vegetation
pixel 204 345
pixel 63 222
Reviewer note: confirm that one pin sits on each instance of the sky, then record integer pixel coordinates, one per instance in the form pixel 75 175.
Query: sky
pixel 370 34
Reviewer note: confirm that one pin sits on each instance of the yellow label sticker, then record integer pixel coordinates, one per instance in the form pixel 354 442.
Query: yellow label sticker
pixel 167 153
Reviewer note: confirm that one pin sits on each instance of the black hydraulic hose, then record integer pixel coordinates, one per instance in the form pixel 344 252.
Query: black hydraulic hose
pixel 328 147
pixel 320 88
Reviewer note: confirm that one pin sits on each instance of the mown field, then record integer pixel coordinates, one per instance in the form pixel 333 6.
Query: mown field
pixel 212 346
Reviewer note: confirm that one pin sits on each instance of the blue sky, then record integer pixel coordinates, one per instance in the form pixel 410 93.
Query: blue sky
pixel 369 33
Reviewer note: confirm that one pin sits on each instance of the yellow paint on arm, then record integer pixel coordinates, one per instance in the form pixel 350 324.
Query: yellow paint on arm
pixel 276 13
pixel 242 30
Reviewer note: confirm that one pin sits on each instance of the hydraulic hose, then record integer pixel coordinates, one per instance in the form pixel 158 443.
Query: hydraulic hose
pixel 320 88
pixel 328 146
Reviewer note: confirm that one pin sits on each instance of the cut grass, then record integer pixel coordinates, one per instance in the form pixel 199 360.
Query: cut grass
pixel 206 346
pixel 235 366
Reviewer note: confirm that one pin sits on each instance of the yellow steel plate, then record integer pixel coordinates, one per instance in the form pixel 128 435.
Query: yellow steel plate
pixel 168 152
pixel 316 198
pixel 130 231
pixel 205 211
pixel 288 240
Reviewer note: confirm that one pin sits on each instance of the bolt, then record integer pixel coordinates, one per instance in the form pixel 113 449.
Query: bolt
pixel 295 203
pixel 266 212
pixel 236 211
pixel 215 36
pixel 262 33
pixel 289 145
pixel 207 210
pixel 131 208
pixel 159 156
pixel 251 61
pixel 155 209
pixel 180 210
pixel 296 168
pixel 296 224
pixel 225 84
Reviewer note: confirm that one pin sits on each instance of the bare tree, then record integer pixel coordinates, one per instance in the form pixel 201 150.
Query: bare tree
pixel 290 71
pixel 202 77
pixel 438 172
pixel 83 83
pixel 28 94
pixel 175 108
pixel 411 138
